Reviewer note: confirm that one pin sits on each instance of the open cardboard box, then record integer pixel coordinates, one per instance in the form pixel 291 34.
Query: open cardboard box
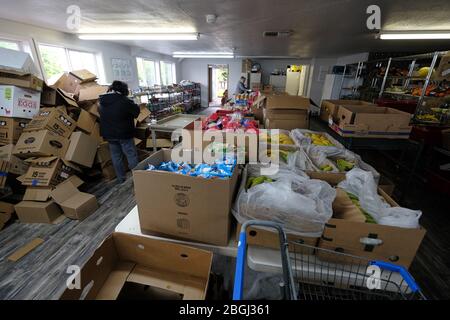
pixel 75 204
pixel 52 119
pixel 134 267
pixel 42 143
pixel 38 211
pixel 398 245
pixel 11 129
pixel 17 165
pixel 372 122
pixel 286 112
pixel 47 172
pixel 329 108
pixel 186 207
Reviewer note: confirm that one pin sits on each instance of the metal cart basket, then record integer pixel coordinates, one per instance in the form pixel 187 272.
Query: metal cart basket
pixel 312 273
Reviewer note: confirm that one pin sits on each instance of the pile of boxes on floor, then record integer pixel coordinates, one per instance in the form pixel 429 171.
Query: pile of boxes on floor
pixel 48 136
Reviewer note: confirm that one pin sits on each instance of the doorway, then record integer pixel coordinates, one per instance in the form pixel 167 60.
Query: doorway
pixel 217 84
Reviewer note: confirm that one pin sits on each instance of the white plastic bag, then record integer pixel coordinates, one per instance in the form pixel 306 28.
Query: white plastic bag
pixel 362 184
pixel 300 204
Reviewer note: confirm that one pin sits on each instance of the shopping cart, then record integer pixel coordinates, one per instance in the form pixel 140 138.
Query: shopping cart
pixel 312 273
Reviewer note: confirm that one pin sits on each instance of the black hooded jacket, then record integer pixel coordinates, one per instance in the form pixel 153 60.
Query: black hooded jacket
pixel 117 114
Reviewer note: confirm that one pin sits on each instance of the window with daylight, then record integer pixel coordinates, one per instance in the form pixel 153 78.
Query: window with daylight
pixel 167 73
pixel 148 72
pixel 57 60
pixel 9 44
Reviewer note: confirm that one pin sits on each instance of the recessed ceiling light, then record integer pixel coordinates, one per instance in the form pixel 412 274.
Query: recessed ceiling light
pixel 415 35
pixel 139 36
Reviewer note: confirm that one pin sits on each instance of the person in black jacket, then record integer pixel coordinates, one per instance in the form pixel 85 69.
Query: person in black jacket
pixel 117 114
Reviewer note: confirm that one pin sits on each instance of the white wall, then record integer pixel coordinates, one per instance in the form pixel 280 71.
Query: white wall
pixel 353 58
pixel 197 70
pixel 106 50
pixel 269 65
pixel 316 83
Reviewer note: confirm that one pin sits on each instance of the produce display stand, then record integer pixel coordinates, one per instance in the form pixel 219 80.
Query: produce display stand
pixel 171 124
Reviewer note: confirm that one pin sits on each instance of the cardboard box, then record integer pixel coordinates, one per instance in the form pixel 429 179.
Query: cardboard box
pixel 183 206
pixel 67 83
pixel 40 144
pixel 75 204
pixel 47 172
pixel 82 149
pixel 18 62
pixel 92 108
pixel 41 194
pixel 125 263
pixel 38 212
pixel 372 122
pixel 160 143
pixel 108 171
pixel 95 134
pixel 143 114
pixel 52 119
pixel 399 245
pixel 17 165
pixel 287 102
pixel 19 102
pixel 301 123
pixel 103 153
pixel 91 92
pixel 6 211
pixel 86 121
pixel 23 80
pixel 57 97
pixel 83 75
pixel 4 171
pixel 329 107
pixel 11 129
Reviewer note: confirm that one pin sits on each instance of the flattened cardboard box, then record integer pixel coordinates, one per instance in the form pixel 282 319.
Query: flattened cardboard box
pixel 38 212
pixel 75 204
pixel 47 172
pixel 40 144
pixel 17 165
pixel 169 270
pixel 82 149
pixel 372 122
pixel 329 108
pixel 19 102
pixel 398 245
pixel 11 129
pixel 182 206
pixel 52 119
pixel 91 92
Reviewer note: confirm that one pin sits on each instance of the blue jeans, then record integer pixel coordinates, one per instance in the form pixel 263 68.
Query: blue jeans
pixel 119 147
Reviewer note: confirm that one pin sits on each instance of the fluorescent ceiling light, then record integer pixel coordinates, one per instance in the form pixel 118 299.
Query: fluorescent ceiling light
pixel 426 35
pixel 205 55
pixel 202 53
pixel 139 36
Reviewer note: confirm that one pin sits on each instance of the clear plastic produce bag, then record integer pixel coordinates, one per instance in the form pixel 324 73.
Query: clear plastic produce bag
pixel 300 204
pixel 362 184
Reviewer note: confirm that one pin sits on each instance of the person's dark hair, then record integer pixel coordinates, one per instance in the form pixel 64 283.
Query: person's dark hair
pixel 120 87
pixel 243 78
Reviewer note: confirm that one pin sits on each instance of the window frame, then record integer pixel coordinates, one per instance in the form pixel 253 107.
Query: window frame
pixel 156 67
pixel 67 50
pixel 172 71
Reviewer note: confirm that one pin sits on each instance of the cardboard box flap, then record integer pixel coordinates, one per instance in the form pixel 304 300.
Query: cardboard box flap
pixel 42 161
pixel 117 277
pixel 71 165
pixel 67 97
pixel 84 75
pixel 63 192
pixel 74 180
pixel 37 194
pixel 91 93
pixel 258 103
pixel 144 114
pixel 287 102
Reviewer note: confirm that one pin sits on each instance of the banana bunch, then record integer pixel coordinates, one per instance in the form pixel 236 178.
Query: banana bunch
pixel 319 139
pixel 254 181
pixel 282 138
pixel 344 165
pixel 326 168
pixel 427 117
pixel 284 155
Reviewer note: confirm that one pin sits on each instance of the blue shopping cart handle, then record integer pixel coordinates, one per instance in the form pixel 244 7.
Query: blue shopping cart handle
pixel 240 265
pixel 402 270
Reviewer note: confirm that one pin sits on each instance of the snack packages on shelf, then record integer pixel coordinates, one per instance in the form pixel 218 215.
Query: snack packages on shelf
pixel 300 204
pixel 361 185
pixel 220 169
pixel 234 122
